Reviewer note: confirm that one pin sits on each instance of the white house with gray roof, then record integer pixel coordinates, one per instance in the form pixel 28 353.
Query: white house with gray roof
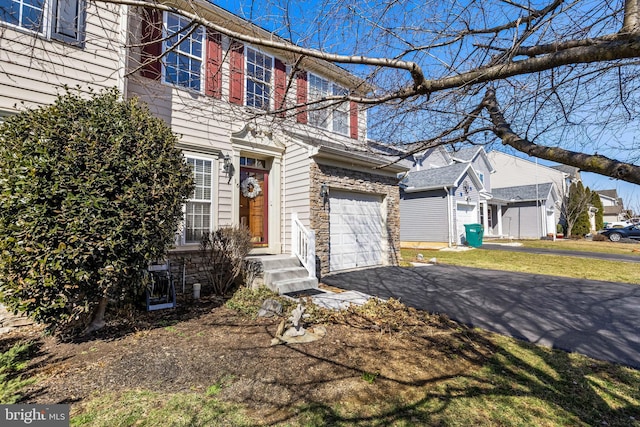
pixel 442 192
pixel 527 211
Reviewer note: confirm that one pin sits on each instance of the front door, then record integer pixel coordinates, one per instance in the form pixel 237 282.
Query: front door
pixel 254 196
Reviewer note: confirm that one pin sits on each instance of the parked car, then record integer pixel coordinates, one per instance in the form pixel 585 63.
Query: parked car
pixel 617 224
pixel 615 234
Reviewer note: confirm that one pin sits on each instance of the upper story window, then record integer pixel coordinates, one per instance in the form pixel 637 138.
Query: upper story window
pixel 59 19
pixel 27 14
pixel 183 62
pixel 327 116
pixel 259 79
pixel 481 176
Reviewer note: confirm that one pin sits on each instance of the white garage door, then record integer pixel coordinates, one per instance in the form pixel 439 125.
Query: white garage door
pixel 465 214
pixel 355 230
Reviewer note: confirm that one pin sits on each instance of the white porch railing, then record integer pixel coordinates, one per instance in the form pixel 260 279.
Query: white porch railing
pixel 303 244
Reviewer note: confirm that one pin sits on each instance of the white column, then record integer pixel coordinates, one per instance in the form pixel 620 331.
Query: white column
pixel 499 215
pixel 485 218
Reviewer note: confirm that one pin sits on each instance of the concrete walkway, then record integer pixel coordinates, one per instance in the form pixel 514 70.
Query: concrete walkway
pixel 597 319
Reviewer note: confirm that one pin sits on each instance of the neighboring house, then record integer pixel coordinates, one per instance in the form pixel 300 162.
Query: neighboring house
pixel 442 192
pixel 254 169
pixel 509 196
pixel 512 171
pixel 613 206
pixel 515 171
pixel 528 211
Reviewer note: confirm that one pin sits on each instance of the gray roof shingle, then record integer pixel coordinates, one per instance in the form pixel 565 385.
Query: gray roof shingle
pixel 434 178
pixel 522 193
pixel 465 154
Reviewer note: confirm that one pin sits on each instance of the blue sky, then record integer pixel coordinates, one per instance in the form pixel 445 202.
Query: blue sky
pixel 266 13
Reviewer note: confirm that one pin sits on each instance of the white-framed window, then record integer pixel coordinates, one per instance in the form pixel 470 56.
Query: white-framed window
pixel 199 208
pixel 327 115
pixel 183 64
pixel 259 74
pixel 341 112
pixel 481 176
pixel 59 19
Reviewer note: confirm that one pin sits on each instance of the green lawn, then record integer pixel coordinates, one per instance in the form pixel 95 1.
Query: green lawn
pixel 554 265
pixel 585 246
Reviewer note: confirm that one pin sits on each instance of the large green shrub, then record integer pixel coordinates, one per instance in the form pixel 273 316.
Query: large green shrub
pixel 91 190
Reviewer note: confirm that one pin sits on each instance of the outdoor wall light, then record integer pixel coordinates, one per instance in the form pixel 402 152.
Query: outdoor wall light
pixel 324 193
pixel 227 166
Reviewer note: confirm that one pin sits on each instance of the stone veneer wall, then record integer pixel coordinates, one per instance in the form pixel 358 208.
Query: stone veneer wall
pixel 358 181
pixel 186 266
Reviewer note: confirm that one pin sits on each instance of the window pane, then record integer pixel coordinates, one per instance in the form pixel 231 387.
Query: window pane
pixel 26 14
pixel 186 55
pixel 67 19
pixel 258 79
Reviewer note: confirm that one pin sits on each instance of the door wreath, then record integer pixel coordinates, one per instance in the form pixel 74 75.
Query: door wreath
pixel 250 188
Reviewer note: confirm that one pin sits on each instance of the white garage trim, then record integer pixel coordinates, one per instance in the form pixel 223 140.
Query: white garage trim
pixel 357 230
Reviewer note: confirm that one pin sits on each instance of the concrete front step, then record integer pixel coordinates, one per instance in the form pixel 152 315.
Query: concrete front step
pixel 284 273
pixel 294 285
pixel 273 262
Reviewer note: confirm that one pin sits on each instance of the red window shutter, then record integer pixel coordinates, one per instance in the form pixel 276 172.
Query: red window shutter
pixel 353 119
pixel 280 85
pixel 236 62
pixel 302 96
pixel 151 43
pixel 213 72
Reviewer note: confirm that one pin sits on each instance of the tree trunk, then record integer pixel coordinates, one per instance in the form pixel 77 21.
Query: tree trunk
pixel 98 317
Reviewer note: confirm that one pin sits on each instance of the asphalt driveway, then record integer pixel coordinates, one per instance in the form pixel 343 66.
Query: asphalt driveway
pixel 597 319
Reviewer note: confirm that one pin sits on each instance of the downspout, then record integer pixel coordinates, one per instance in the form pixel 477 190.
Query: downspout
pixel 123 62
pixel 449 215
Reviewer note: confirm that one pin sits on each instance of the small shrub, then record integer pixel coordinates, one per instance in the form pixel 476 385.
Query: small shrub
pixel 224 252
pixel 248 301
pixel 599 238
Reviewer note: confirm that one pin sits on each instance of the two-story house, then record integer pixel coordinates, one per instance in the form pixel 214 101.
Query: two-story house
pixel 267 152
pixel 442 192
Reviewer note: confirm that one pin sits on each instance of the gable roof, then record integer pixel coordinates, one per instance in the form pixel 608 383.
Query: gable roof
pixel 572 171
pixel 439 178
pixel 468 154
pixel 523 193
pixel 613 194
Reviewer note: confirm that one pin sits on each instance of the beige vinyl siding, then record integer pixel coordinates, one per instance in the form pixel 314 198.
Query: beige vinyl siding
pixel 203 125
pixel 35 69
pixel 512 171
pixel 424 217
pixel 296 184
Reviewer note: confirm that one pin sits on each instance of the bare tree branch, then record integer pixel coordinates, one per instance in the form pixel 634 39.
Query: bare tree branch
pixel 589 163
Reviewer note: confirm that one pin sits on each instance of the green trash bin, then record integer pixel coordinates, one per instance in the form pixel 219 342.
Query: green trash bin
pixel 473 234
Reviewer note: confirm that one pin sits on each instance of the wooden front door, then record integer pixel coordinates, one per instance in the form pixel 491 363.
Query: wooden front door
pixel 254 205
